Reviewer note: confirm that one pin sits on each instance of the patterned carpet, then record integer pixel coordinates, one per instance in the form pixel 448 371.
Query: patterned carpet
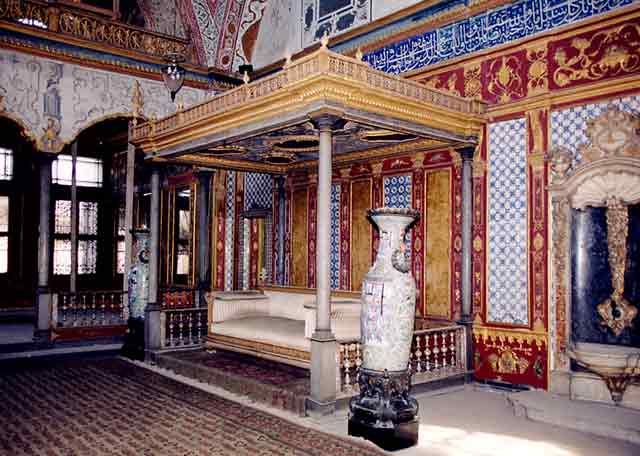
pixel 269 382
pixel 110 407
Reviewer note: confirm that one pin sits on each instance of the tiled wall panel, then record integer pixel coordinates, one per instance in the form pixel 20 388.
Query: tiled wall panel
pixel 507 195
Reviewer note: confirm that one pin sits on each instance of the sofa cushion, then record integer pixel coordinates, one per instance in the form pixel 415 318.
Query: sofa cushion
pixel 273 330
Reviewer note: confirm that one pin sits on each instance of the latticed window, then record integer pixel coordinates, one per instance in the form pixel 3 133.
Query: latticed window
pixel 87 237
pixel 6 164
pixel 4 234
pixel 88 171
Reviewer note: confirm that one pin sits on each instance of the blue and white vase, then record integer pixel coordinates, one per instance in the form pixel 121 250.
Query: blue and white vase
pixel 138 277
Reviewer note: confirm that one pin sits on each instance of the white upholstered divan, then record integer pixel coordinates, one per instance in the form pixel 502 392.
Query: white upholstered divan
pixel 276 323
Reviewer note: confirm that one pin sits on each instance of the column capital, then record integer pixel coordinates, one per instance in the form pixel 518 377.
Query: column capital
pixel 466 152
pixel 324 121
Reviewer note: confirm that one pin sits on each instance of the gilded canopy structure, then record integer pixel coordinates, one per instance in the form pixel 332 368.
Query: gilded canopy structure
pixel 267 124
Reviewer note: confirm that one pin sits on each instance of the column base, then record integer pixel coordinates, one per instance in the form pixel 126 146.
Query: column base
pixel 323 368
pixel 319 409
pixel 384 412
pixel 467 322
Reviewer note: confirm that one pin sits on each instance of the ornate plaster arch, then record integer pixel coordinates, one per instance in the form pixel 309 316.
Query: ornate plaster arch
pixel 55 101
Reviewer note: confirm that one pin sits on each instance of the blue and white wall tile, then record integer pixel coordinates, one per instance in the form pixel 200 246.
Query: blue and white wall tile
pixel 258 190
pixel 397 192
pixel 335 236
pixel 229 234
pixel 507 195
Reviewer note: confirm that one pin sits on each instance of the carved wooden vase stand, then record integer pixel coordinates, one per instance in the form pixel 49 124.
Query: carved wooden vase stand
pixel 384 412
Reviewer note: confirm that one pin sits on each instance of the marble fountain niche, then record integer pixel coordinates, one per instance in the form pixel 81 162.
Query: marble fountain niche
pixel 595 258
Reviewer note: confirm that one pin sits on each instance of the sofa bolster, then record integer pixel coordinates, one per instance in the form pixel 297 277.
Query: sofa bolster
pixel 232 309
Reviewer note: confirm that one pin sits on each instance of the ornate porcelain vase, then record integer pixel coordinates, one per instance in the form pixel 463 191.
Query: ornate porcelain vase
pixel 384 412
pixel 138 277
pixel 388 296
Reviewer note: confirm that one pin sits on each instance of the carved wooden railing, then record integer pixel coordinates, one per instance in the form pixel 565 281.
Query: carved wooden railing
pixel 88 309
pixel 318 63
pixel 436 353
pixel 181 328
pixel 65 21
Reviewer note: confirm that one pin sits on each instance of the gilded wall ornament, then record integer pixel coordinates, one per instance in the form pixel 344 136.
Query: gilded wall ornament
pixel 538 75
pixel 616 312
pixel 508 362
pixel 505 81
pixel 472 81
pixel 611 52
pixel 446 85
pixel 137 102
pixel 50 139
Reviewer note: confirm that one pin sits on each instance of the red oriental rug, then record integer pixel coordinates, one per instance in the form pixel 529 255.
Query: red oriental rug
pixel 269 382
pixel 111 407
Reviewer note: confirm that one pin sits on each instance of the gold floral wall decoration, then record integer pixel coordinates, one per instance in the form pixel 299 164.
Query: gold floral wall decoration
pixel 610 52
pixel 538 74
pixel 472 81
pixel 447 84
pixel 507 362
pixel 505 81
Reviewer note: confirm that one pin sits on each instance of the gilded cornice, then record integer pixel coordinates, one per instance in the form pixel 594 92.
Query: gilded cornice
pixel 506 335
pixel 321 82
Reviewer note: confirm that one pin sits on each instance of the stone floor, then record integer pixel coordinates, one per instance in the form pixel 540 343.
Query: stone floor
pixel 470 420
pixel 16 333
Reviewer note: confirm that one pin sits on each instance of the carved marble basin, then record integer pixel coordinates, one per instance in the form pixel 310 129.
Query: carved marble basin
pixel 609 359
pixel 617 365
